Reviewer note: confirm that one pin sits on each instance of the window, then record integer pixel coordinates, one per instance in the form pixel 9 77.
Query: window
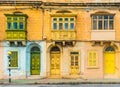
pixel 102 22
pixel 14 59
pixel 16 22
pixel 92 58
pixel 63 23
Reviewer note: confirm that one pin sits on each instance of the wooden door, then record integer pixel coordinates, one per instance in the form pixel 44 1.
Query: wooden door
pixel 55 63
pixel 74 64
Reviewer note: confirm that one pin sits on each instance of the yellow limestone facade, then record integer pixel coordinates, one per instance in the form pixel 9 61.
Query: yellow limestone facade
pixel 88 51
pixel 73 38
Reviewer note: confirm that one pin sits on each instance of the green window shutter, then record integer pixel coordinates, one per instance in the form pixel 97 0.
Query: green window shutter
pixel 14 59
pixel 92 58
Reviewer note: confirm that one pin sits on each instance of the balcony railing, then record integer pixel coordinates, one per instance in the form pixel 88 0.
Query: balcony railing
pixel 63 35
pixel 16 35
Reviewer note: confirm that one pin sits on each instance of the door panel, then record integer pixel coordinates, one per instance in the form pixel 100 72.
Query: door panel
pixel 35 63
pixel 74 66
pixel 109 63
pixel 55 64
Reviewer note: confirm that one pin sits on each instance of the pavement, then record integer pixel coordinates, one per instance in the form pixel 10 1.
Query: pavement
pixel 61 81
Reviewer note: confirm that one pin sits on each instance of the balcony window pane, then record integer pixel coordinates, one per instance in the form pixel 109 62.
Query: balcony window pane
pixel 111 17
pixel 111 25
pixel 100 25
pixel 71 19
pixel 9 25
pixel 71 26
pixel 54 19
pixel 21 19
pixel 15 25
pixel 15 18
pixel 94 17
pixel 105 16
pixel 100 17
pixel 60 26
pixel 66 26
pixel 21 25
pixel 60 19
pixel 66 19
pixel 105 24
pixel 9 19
pixel 94 25
pixel 55 26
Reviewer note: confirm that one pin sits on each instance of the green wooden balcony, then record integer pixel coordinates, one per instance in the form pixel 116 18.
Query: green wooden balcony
pixel 16 35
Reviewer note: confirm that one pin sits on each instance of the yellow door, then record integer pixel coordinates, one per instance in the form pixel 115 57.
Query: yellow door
pixel 74 66
pixel 109 63
pixel 55 64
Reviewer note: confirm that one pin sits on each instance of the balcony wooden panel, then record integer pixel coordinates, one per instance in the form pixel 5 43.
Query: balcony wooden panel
pixel 63 35
pixel 16 35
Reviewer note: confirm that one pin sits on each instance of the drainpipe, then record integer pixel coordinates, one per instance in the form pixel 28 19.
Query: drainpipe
pixel 44 39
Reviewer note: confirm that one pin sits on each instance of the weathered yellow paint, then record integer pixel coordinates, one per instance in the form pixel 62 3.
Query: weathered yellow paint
pixel 109 63
pixel 55 64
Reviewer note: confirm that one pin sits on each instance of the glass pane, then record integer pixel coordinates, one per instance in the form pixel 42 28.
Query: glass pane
pixel 100 17
pixel 66 19
pixel 71 26
pixel 15 25
pixel 71 19
pixel 110 49
pixel 94 25
pixel 21 18
pixel 54 19
pixel 60 19
pixel 60 26
pixel 55 48
pixel 9 18
pixel 55 26
pixel 76 63
pixel 9 25
pixel 111 17
pixel 105 16
pixel 105 24
pixel 15 18
pixel 94 17
pixel 111 25
pixel 66 26
pixel 21 26
pixel 100 25
pixel 74 53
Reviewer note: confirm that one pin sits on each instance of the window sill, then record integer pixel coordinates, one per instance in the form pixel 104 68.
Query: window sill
pixel 92 67
pixel 102 30
pixel 13 68
pixel 63 30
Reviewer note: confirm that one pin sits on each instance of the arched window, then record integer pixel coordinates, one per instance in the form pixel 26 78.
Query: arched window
pixel 109 49
pixel 35 49
pixel 55 48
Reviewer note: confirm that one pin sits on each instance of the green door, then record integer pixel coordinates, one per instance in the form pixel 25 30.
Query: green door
pixel 35 61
